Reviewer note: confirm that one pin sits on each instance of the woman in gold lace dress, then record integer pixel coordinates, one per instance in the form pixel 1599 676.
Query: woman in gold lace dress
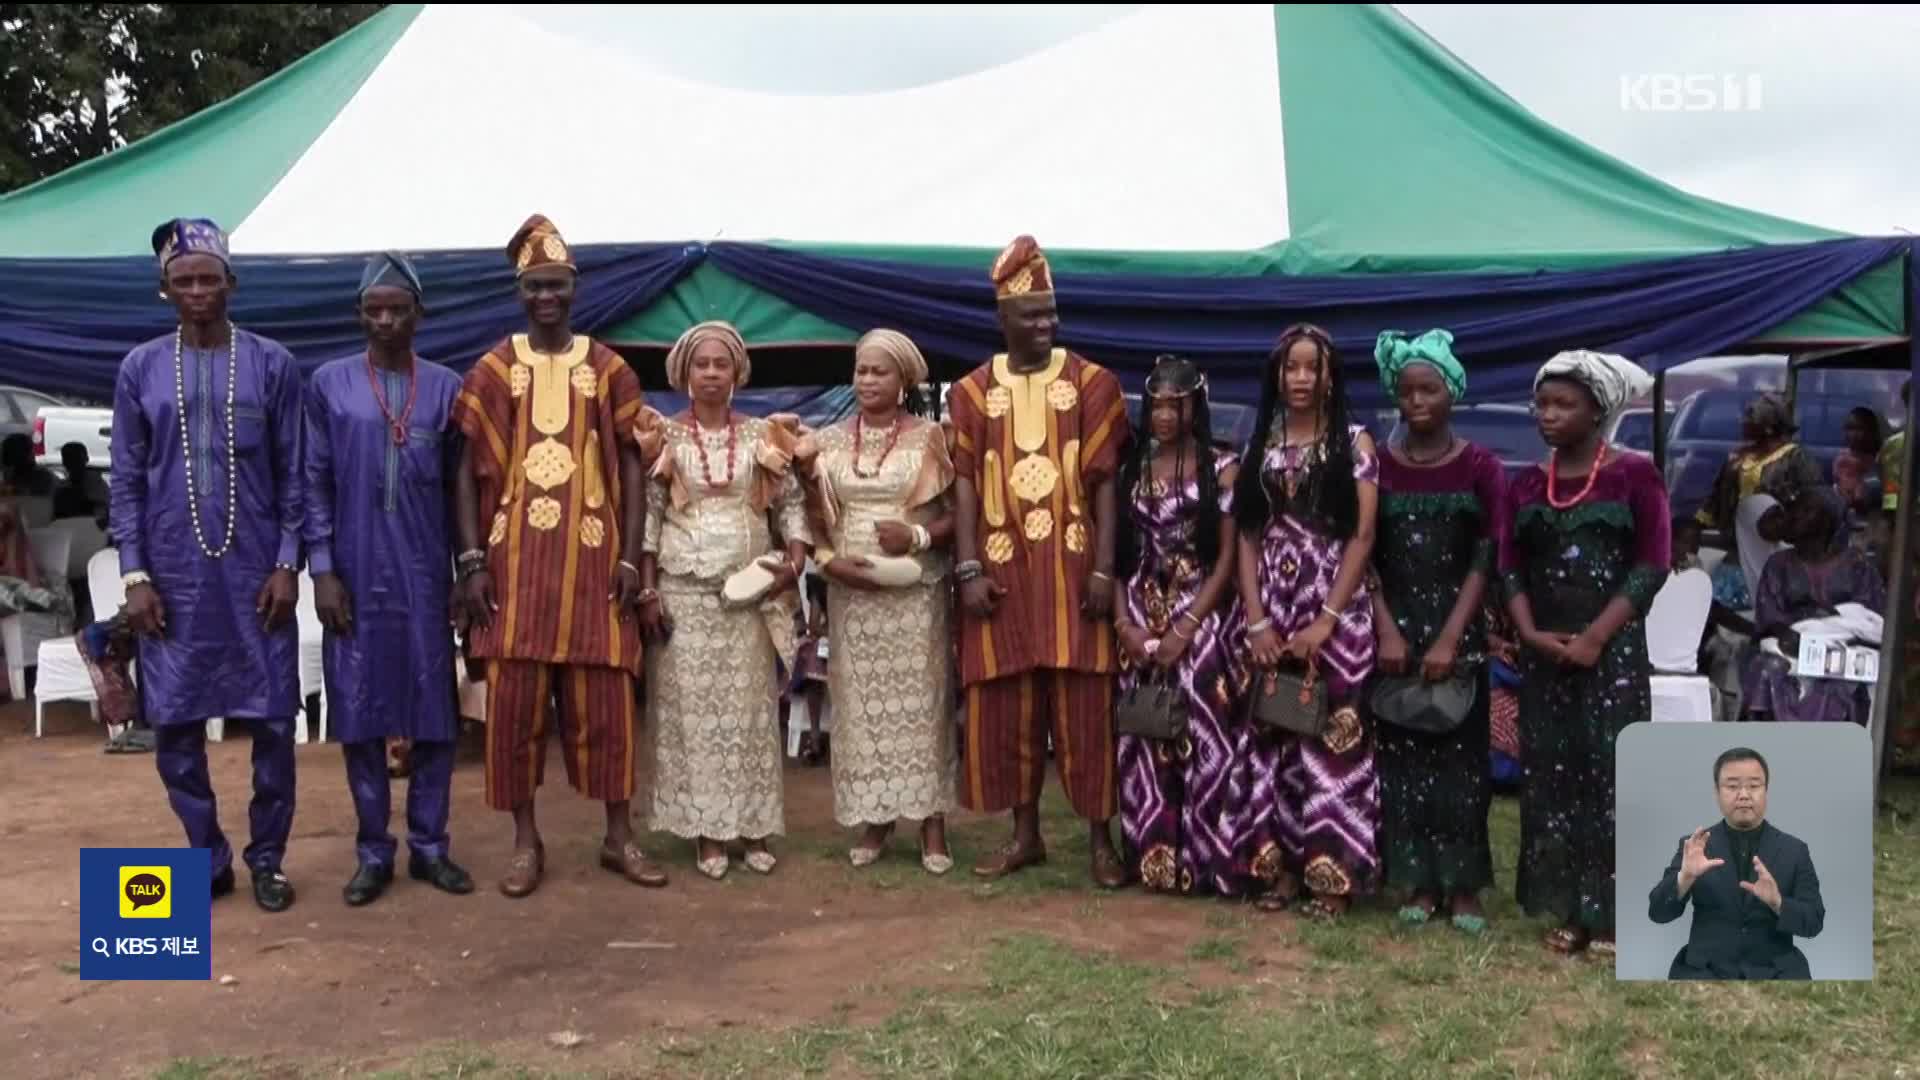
pixel 711 720
pixel 877 491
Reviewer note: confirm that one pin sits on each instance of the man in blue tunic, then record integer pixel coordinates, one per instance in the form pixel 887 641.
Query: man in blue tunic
pixel 380 461
pixel 206 506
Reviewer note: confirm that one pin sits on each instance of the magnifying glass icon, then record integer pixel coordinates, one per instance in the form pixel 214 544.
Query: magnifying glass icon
pixel 100 946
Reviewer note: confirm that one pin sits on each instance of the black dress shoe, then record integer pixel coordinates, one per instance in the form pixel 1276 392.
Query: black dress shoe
pixel 442 873
pixel 272 891
pixel 368 883
pixel 223 883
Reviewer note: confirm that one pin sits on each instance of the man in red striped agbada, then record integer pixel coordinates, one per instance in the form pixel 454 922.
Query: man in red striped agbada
pixel 551 508
pixel 1038 434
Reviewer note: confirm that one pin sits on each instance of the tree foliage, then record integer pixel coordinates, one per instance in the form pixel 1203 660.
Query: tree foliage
pixel 80 80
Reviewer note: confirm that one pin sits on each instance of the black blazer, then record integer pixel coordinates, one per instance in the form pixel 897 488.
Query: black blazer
pixel 1735 936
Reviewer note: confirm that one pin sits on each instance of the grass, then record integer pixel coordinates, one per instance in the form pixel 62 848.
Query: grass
pixel 1219 948
pixel 1365 998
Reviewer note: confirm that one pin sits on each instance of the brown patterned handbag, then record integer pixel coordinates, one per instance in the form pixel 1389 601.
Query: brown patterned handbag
pixel 1290 702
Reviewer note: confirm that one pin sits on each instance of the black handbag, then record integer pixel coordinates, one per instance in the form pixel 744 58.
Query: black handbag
pixel 1155 708
pixel 1412 703
pixel 1291 702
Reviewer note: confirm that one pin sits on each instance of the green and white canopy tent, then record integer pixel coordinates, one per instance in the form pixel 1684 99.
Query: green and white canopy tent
pixel 1193 140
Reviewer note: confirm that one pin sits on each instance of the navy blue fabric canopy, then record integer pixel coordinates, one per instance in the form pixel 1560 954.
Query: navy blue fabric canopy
pixel 65 324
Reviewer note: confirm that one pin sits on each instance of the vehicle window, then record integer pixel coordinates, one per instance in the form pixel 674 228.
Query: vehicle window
pixel 1635 432
pixel 1718 417
pixel 28 404
pixel 1508 436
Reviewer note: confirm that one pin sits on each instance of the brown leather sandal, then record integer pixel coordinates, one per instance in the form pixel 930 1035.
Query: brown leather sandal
pixel 1109 872
pixel 1007 860
pixel 632 863
pixel 524 872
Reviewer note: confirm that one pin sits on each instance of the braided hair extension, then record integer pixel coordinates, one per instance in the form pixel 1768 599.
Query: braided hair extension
pixel 1327 494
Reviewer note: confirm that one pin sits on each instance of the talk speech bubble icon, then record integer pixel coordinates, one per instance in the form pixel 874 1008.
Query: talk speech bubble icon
pixel 145 890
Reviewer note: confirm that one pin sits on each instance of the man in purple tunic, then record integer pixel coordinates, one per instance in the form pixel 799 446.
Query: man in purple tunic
pixel 380 461
pixel 206 507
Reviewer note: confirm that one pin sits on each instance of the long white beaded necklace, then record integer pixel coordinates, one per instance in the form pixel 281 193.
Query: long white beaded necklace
pixel 186 444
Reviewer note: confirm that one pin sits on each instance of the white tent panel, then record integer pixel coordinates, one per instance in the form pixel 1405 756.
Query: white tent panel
pixel 1158 131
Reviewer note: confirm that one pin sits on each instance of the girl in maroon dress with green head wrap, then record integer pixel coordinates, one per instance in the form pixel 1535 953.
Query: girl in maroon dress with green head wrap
pixel 1440 504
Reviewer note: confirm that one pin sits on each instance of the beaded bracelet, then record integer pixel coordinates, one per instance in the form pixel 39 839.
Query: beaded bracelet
pixel 1260 627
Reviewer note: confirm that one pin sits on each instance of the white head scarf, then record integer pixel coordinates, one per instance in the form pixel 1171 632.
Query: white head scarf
pixel 1614 381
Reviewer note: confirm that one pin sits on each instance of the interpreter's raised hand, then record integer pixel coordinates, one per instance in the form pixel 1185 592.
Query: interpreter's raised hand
pixel 146 613
pixel 331 602
pixel 277 598
pixel 896 537
pixel 1763 886
pixel 981 596
pixel 477 595
pixel 1694 862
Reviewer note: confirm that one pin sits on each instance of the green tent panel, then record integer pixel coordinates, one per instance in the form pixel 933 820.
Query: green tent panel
pixel 218 163
pixel 709 292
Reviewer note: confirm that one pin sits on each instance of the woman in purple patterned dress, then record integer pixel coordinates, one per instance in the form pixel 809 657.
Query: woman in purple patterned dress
pixel 1177 618
pixel 1305 505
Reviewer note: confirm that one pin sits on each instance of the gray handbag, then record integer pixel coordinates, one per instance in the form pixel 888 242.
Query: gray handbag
pixel 1155 708
pixel 1412 703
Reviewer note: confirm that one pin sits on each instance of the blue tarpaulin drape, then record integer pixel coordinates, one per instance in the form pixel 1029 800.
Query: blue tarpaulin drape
pixel 64 324
pixel 1661 312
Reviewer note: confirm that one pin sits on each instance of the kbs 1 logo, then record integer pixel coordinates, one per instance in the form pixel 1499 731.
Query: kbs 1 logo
pixel 1678 92
pixel 146 892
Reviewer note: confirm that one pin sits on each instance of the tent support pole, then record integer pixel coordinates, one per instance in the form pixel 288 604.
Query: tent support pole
pixel 1899 611
pixel 1660 421
pixel 1899 576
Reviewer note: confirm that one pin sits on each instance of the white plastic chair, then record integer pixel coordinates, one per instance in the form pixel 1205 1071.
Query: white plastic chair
pixel 1674 627
pixel 35 510
pixel 1677 621
pixel 62 674
pixel 88 540
pixel 313 679
pixel 22 633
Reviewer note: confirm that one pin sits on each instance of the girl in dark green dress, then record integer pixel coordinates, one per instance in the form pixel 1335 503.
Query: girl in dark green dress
pixel 1585 550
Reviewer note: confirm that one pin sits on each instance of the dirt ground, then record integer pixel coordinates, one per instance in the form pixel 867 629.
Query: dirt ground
pixel 418 967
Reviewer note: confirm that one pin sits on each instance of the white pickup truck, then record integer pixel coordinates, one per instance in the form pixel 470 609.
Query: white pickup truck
pixel 57 425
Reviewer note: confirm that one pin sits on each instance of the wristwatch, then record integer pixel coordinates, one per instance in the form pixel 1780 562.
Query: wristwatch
pixel 136 577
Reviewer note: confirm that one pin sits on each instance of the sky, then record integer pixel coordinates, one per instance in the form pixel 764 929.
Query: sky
pixel 1832 142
